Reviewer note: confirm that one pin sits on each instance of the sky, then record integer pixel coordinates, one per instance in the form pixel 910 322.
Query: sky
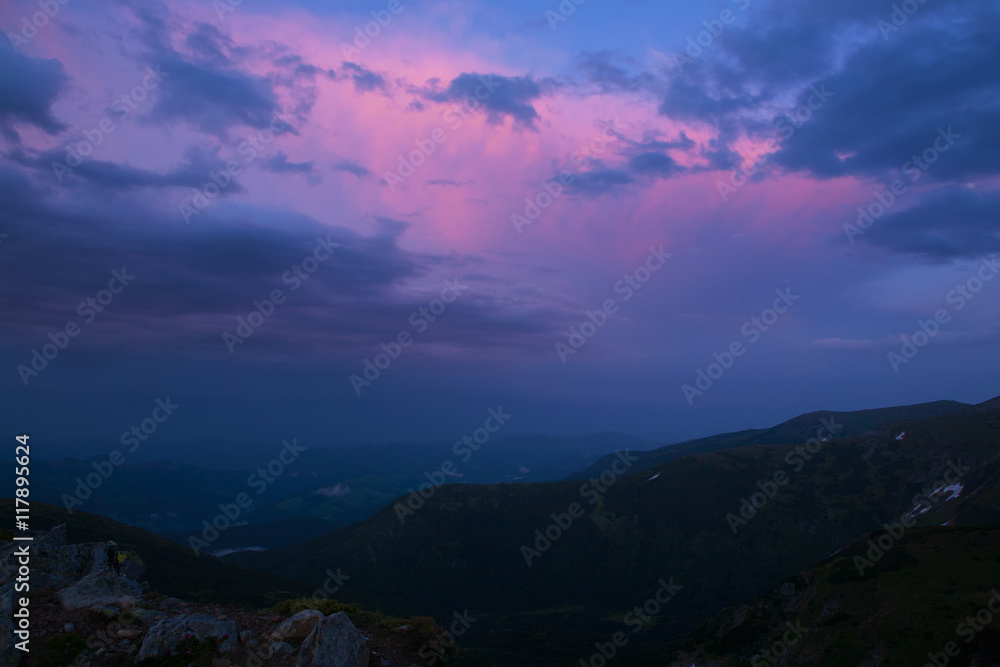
pixel 376 221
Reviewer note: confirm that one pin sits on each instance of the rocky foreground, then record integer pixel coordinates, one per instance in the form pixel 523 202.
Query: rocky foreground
pixel 89 606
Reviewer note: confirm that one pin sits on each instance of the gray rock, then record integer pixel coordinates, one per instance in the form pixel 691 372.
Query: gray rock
pixel 54 564
pixel 127 602
pixel 297 626
pixel 279 648
pixel 171 604
pixel 100 588
pixel 164 637
pixel 147 616
pixel 54 538
pixel 107 611
pixel 245 636
pixel 334 642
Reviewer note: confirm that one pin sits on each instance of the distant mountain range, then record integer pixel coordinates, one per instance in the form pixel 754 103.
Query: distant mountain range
pixel 320 491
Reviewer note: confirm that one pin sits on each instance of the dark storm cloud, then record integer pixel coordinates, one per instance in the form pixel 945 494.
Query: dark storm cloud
pixel 654 163
pixel 191 286
pixel 213 99
pixel 28 87
pixel 600 181
pixel 711 92
pixel 601 69
pixel 499 95
pixel 782 54
pixel 101 174
pixel 364 80
pixel 887 97
pixel 890 100
pixel 953 223
pixel 210 44
pixel 279 164
pixel 210 87
pixel 352 168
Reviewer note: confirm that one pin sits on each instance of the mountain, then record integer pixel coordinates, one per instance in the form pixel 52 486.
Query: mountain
pixel 906 609
pixel 796 430
pixel 687 522
pixel 318 491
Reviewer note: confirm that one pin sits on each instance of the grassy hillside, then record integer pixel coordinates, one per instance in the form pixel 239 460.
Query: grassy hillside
pixel 464 548
pixel 912 602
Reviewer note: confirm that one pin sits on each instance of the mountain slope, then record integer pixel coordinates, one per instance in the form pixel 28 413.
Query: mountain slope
pixel 796 430
pixel 913 601
pixel 171 569
pixel 465 548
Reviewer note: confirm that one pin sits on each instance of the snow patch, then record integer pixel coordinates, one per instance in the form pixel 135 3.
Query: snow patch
pixel 337 491
pixel 954 489
pixel 226 552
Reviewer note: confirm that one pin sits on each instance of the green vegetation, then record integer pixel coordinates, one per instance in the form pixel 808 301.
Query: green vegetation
pixel 61 649
pixel 463 549
pixel 171 568
pixel 910 603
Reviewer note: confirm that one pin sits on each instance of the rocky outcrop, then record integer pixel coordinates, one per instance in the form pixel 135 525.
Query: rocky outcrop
pixel 102 588
pixel 163 638
pixel 123 624
pixel 88 574
pixel 55 564
pixel 334 642
pixel 298 626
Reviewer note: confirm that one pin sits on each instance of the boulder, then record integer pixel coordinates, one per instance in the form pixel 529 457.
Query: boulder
pixel 103 588
pixel 297 626
pixel 164 637
pixel 334 642
pixel 279 648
